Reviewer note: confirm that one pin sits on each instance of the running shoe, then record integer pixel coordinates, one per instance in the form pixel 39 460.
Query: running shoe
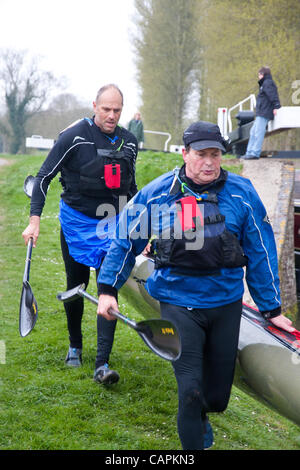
pixel 104 375
pixel 74 357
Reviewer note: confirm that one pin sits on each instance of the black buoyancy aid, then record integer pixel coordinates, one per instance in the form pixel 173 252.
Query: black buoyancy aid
pixel 104 173
pixel 198 242
pixel 109 173
pixel 98 171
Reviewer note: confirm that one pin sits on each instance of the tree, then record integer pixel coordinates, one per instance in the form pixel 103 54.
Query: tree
pixel 25 88
pixel 240 36
pixel 64 109
pixel 167 55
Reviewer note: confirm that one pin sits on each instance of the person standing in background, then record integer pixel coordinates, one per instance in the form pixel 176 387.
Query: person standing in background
pixel 136 126
pixel 267 103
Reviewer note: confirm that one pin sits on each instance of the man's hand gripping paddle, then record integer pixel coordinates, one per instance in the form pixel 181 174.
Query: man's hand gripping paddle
pixel 159 335
pixel 28 312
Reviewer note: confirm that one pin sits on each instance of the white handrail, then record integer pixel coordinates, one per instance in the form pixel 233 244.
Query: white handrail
pixel 239 105
pixel 162 133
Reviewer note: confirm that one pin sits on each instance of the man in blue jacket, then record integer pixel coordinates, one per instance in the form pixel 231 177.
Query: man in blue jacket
pixel 207 225
pixel 267 103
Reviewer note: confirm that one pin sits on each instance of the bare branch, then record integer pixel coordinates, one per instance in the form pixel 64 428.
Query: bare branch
pixel 26 87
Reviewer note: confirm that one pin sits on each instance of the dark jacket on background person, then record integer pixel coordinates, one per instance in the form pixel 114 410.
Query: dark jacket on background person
pixel 267 98
pixel 136 127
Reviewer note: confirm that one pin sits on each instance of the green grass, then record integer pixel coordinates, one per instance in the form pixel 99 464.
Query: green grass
pixel 43 404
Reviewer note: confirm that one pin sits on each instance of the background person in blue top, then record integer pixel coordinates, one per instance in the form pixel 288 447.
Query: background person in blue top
pixel 200 285
pixel 267 103
pixel 96 158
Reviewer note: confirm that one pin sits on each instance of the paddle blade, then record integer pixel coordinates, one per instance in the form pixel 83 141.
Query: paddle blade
pixel 28 310
pixel 162 337
pixel 71 294
pixel 28 185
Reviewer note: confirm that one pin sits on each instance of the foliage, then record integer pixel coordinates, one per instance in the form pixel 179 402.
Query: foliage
pixel 239 37
pixel 194 57
pixel 46 406
pixel 167 50
pixel 63 110
pixel 26 87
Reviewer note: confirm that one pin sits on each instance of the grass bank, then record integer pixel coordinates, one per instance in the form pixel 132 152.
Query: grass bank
pixel 43 404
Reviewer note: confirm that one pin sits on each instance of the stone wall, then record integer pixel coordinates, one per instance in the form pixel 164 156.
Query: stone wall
pixel 274 182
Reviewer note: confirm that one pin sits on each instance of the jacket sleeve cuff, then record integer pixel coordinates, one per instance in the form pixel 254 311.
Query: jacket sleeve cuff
pixel 107 290
pixel 271 313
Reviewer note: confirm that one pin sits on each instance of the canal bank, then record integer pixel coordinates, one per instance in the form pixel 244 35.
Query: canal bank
pixel 274 181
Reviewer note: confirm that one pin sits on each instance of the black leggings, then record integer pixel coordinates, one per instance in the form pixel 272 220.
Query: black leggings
pixel 78 273
pixel 205 369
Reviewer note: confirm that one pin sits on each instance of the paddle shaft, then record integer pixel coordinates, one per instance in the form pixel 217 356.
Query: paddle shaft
pixel 28 260
pixel 119 315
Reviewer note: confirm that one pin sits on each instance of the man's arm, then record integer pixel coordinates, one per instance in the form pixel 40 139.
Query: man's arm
pixel 270 90
pixel 49 169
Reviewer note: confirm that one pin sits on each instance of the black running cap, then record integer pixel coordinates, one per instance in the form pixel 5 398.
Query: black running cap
pixel 202 135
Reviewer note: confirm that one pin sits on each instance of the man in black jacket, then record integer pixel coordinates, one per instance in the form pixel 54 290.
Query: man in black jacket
pixel 267 103
pixel 96 158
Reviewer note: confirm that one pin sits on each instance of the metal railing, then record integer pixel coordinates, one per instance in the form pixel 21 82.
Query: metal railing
pixel 161 133
pixel 239 105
